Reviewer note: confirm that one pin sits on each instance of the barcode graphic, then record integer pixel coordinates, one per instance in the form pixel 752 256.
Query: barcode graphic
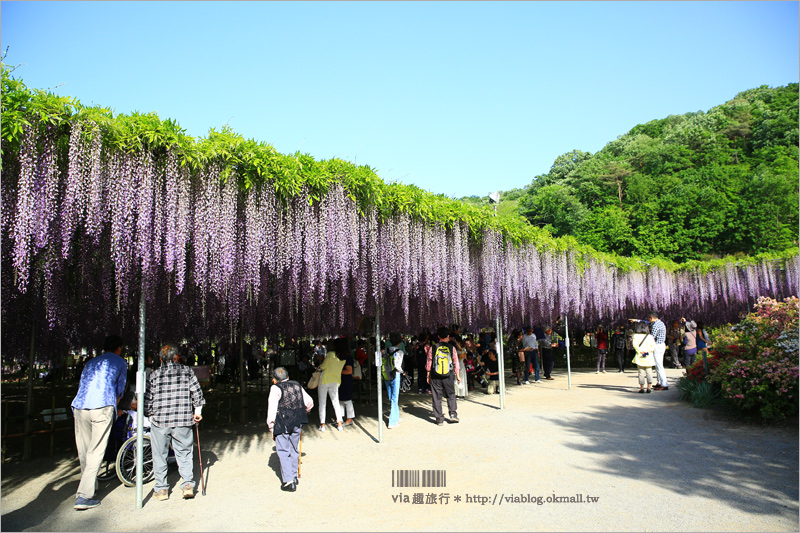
pixel 413 478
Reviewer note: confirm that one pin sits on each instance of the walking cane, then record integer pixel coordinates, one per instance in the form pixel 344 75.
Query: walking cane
pixel 200 457
pixel 300 454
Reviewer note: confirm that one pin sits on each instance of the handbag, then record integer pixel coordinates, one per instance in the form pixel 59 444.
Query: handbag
pixel 313 383
pixel 357 374
pixel 405 383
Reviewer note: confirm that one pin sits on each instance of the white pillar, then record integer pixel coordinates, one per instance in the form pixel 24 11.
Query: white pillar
pixel 379 373
pixel 501 364
pixel 140 405
pixel 566 340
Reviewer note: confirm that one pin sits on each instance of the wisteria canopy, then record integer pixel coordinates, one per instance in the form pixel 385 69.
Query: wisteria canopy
pixel 225 236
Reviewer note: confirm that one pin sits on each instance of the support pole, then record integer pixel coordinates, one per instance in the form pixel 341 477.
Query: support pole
pixel 566 340
pixel 242 376
pixel 379 372
pixel 28 444
pixel 501 363
pixel 140 385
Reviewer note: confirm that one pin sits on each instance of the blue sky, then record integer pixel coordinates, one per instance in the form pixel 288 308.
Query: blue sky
pixel 459 98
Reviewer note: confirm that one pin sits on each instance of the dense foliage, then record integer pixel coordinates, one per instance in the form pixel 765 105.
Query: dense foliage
pixel 755 362
pixel 685 187
pixel 224 235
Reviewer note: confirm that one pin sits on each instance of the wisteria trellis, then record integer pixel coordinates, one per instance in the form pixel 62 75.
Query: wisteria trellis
pixel 79 231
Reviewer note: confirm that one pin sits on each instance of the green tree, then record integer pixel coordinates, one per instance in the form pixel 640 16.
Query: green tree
pixel 555 208
pixel 566 163
pixel 608 230
pixel 615 175
pixel 767 212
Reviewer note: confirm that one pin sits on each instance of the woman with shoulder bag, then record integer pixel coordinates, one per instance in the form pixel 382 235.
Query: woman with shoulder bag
pixel 644 344
pixel 689 343
pixel 329 384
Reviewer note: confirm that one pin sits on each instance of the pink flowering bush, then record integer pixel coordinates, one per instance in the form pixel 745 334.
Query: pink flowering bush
pixel 762 375
pixel 766 386
pixel 771 329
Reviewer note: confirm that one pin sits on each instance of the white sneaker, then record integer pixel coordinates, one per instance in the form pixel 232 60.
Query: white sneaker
pixel 538 381
pixel 339 427
pixel 322 428
pixel 527 383
pixel 604 371
pixel 597 372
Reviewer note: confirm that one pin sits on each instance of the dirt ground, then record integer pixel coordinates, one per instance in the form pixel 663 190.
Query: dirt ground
pixel 599 457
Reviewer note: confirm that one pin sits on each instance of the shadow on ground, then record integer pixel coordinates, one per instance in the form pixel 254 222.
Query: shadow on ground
pixel 719 461
pixel 37 510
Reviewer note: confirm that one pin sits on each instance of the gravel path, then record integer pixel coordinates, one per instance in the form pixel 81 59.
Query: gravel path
pixel 653 462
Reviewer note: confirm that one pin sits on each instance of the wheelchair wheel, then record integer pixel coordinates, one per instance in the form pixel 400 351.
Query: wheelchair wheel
pixel 126 462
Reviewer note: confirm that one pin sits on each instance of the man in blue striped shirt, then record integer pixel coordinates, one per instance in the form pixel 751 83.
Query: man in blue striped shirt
pixel 95 409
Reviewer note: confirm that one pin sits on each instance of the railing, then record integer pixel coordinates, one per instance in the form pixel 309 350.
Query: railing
pixel 56 419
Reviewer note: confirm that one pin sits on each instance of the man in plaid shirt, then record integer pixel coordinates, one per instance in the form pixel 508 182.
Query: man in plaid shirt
pixel 174 402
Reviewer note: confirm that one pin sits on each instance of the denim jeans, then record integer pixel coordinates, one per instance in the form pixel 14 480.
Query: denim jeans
pixel 393 389
pixel 531 358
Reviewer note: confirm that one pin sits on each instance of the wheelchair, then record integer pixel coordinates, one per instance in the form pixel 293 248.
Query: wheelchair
pixel 120 456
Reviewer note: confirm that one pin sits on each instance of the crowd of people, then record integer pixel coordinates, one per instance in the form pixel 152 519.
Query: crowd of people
pixel 650 346
pixel 445 364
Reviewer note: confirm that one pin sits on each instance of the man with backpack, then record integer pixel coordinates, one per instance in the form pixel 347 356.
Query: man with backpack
pixel 442 366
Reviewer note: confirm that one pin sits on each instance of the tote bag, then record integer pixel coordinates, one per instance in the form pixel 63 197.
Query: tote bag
pixel 313 383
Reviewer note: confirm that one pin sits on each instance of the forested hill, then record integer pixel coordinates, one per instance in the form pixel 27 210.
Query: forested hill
pixel 690 186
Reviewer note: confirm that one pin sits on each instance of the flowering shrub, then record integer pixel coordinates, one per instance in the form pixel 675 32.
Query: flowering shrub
pixel 766 386
pixel 725 335
pixel 697 372
pixel 771 327
pixel 760 373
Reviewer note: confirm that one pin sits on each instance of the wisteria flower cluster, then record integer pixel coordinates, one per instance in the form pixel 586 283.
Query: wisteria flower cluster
pixel 89 229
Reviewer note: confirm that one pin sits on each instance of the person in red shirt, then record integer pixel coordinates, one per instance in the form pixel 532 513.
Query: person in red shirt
pixel 361 352
pixel 602 349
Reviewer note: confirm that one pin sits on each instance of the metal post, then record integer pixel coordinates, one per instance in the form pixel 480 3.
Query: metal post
pixel 501 364
pixel 242 376
pixel 566 340
pixel 140 404
pixel 52 425
pixel 27 443
pixel 379 371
